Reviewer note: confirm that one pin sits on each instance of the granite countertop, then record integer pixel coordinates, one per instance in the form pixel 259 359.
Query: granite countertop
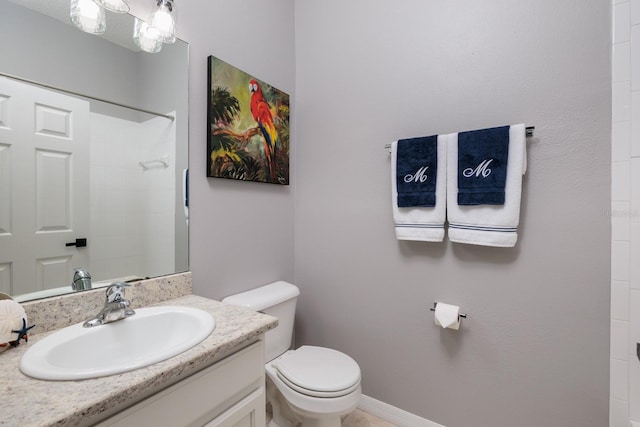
pixel 30 402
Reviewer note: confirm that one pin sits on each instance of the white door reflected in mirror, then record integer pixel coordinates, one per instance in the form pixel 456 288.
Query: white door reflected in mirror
pixel 45 187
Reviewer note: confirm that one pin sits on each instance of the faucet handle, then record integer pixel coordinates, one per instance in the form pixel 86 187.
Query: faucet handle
pixel 115 292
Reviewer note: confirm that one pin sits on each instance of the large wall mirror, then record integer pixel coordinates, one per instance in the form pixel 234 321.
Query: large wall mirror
pixel 108 167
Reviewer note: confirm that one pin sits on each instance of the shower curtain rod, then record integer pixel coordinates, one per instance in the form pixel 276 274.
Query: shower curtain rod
pixel 172 118
pixel 528 133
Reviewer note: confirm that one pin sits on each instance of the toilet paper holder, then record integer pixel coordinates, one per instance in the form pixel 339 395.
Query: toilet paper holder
pixel 463 315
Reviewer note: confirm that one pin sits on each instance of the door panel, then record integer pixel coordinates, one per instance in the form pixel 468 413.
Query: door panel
pixel 4 110
pixel 5 190
pixel 53 271
pixel 5 278
pixel 52 121
pixel 53 191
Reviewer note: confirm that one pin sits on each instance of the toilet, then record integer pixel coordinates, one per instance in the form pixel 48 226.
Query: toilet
pixel 314 386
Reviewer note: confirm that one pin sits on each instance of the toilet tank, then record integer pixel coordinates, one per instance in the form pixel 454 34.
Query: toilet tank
pixel 276 299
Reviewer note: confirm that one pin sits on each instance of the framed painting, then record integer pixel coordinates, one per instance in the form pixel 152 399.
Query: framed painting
pixel 248 126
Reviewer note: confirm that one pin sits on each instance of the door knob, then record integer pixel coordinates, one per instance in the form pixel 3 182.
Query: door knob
pixel 79 243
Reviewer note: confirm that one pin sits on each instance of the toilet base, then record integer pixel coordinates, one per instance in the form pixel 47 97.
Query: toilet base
pixel 283 415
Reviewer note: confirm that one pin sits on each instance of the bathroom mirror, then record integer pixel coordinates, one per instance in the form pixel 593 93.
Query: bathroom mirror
pixel 83 154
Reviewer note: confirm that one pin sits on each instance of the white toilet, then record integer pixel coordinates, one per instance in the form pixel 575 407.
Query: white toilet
pixel 317 385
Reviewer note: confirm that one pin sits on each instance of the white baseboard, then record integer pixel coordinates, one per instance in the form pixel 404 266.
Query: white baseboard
pixel 392 414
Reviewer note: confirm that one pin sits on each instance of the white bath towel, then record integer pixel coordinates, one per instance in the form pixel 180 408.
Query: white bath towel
pixel 488 225
pixel 422 223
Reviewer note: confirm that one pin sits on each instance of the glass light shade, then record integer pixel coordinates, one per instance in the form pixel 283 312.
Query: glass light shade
pixel 146 37
pixel 88 16
pixel 117 6
pixel 164 20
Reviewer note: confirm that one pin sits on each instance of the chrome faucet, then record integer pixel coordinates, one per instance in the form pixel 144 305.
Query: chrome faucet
pixel 81 280
pixel 116 307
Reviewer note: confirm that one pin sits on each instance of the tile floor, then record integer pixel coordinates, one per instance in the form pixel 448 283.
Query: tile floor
pixel 357 418
pixel 360 418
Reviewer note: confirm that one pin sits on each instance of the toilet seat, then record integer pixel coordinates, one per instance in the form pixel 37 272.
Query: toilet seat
pixel 318 372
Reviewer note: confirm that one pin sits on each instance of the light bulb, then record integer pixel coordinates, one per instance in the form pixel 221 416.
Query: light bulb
pixel 146 37
pixel 88 16
pixel 164 20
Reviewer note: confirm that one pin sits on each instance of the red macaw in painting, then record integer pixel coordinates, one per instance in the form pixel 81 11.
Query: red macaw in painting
pixel 262 115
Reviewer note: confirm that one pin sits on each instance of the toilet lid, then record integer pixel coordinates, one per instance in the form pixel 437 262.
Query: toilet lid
pixel 319 371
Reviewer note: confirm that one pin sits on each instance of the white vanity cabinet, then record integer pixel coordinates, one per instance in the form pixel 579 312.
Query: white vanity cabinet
pixel 229 393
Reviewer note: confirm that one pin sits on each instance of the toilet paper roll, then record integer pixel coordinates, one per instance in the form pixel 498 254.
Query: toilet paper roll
pixel 447 316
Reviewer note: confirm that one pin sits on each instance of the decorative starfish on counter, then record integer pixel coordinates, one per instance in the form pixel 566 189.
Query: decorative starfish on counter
pixel 22 333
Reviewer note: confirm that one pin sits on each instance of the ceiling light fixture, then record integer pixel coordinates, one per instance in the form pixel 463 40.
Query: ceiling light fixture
pixel 89 16
pixel 117 6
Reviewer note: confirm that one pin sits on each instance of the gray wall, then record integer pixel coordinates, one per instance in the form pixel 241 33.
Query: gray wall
pixel 534 350
pixel 241 233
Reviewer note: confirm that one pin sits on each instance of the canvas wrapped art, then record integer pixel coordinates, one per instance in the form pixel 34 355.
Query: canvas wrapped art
pixel 248 127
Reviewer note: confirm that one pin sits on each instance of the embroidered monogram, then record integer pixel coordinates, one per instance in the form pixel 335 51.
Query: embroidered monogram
pixel 419 176
pixel 481 169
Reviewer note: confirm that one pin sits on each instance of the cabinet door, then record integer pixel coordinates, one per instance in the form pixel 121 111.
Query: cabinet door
pixel 249 412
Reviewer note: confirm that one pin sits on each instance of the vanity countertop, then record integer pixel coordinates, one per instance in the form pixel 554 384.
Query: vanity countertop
pixel 26 401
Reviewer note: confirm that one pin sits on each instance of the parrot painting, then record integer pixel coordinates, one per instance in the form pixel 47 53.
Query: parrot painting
pixel 262 115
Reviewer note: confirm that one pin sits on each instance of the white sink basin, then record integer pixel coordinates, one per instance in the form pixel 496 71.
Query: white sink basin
pixel 153 334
